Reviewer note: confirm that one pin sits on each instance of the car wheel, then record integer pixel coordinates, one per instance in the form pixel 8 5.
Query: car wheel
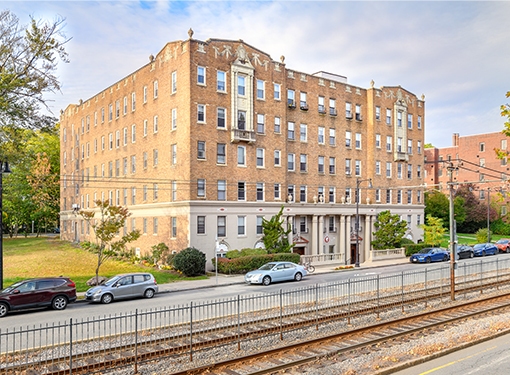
pixel 428 260
pixel 3 310
pixel 59 303
pixel 483 253
pixel 149 293
pixel 266 280
pixel 107 298
pixel 298 276
pixel 471 254
pixel 445 258
pixel 507 250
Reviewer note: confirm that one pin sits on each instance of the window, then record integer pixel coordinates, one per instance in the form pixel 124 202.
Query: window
pixel 277 125
pixel 155 191
pixel 321 164
pixel 409 121
pixel 388 169
pixel 302 193
pixel 348 195
pixel 399 196
pixel 332 137
pixel 419 122
pixel 260 89
pixel 145 160
pixel 332 107
pixel 418 171
pixel 145 226
pixel 241 225
pixel 221 226
pixel 102 143
pixel 322 107
pixel 117 166
pixel 348 167
pixel 241 85
pixel 388 143
pixel 358 167
pixel 321 135
pixel 290 193
pixel 482 146
pixel 200 224
pixel 125 136
pixel 503 144
pixel 482 194
pixel 241 191
pixel 221 153
pixel 291 130
pixel 220 115
pixel 201 75
pixel 133 164
pixel 399 119
pixel 358 141
pixel 260 228
pixel 125 105
pixel 399 170
pixel 133 199
pixel 377 167
pixel 133 133
pixel 290 162
pixel 377 195
pixel 220 81
pixel 117 109
pixel 388 196
pixel 174 154
pixel 125 196
pixel 388 116
pixel 409 171
pixel 117 139
pixel 291 99
pixel 155 124
pixel 145 192
pixel 260 123
pixel 144 128
pixel 302 133
pixel 110 112
pixel 276 191
pixel 348 110
pixel 174 82
pixel 277 158
pixel 222 190
pixel 418 220
pixel 174 191
pixel 145 94
pixel 110 169
pixel 277 91
pixel 201 113
pixel 102 115
pixel 409 197
pixel 174 118
pixel 302 165
pixel 174 227
pixel 377 113
pixel 347 139
pixel 303 103
pixel 418 147
pixel 260 191
pixel 409 146
pixel 241 153
pixel 241 120
pixel 358 112
pixel 201 149
pixel 331 194
pixel 155 156
pixel 399 144
pixel 200 188
pixel 378 140
pixel 331 165
pixel 260 157
pixel 155 89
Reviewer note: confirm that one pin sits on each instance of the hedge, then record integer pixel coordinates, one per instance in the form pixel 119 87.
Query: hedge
pixel 250 263
pixel 415 247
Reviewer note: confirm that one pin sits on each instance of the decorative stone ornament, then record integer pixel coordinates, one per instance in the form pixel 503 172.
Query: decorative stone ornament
pixel 151 58
pixel 314 199
pixel 241 54
pixel 343 200
pixel 190 33
pixel 282 58
pixel 321 199
pixel 372 83
pixel 289 198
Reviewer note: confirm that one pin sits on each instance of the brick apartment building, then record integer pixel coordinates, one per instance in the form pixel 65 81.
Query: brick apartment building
pixel 476 159
pixel 210 137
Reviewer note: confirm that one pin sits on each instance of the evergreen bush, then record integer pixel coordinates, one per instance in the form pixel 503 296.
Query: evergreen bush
pixel 250 263
pixel 190 261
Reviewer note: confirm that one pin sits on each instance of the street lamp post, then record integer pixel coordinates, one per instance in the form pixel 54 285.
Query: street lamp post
pixel 4 169
pixel 356 225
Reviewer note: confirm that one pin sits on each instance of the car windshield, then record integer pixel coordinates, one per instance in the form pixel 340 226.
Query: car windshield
pixel 111 281
pixel 13 286
pixel 424 251
pixel 267 267
pixel 502 241
pixel 479 246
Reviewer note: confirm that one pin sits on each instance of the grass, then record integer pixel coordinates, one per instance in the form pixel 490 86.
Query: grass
pixel 25 258
pixel 468 238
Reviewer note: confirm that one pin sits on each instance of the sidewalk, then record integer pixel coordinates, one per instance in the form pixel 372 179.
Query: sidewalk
pixel 227 280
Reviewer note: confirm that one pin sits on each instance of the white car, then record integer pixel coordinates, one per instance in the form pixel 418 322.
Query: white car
pixel 275 271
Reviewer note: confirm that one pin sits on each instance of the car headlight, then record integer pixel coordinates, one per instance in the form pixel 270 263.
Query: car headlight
pixel 256 276
pixel 98 291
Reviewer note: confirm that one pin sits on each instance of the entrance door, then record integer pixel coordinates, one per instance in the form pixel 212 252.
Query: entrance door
pixel 353 253
pixel 298 250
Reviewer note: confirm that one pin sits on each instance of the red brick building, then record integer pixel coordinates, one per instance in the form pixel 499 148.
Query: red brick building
pixel 210 137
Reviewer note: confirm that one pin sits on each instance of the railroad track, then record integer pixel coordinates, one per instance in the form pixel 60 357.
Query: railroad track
pixel 340 345
pixel 167 342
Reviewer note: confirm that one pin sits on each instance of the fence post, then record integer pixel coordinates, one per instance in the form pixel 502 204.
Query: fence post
pixel 481 276
pixel 497 274
pixel 402 280
pixel 238 322
pixel 349 305
pixel 70 346
pixel 377 296
pixel 136 341
pixel 281 315
pixel 426 294
pixel 317 306
pixel 191 331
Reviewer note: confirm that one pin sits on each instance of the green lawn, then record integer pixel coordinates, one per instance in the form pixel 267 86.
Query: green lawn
pixel 44 256
pixel 468 238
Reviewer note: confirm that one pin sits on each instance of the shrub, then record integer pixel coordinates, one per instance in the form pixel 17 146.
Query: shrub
pixel 170 259
pixel 481 235
pixel 405 241
pixel 190 261
pixel 158 251
pixel 248 252
pixel 232 254
pixel 415 247
pixel 250 263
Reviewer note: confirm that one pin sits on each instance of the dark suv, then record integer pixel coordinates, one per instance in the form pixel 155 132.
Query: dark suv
pixel 55 292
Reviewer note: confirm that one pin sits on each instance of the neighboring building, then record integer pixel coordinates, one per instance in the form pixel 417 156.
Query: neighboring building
pixel 210 137
pixel 475 159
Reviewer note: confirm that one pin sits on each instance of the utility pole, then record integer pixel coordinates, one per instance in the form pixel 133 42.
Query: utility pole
pixel 453 235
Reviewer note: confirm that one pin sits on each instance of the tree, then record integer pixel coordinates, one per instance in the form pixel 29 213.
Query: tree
pixel 111 220
pixel 428 145
pixel 390 230
pixel 437 205
pixel 433 231
pixel 505 112
pixel 475 211
pixel 275 236
pixel 28 61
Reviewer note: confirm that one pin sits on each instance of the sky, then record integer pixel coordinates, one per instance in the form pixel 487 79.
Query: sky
pixel 455 53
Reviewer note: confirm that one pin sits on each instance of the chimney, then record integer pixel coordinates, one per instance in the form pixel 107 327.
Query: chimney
pixel 455 139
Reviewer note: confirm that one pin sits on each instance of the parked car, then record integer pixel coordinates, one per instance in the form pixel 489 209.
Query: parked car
pixel 275 271
pixel 129 285
pixel 483 249
pixel 503 245
pixel 56 230
pixel 465 251
pixel 54 292
pixel 430 254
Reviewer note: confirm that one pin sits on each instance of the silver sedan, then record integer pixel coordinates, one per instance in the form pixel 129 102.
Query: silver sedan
pixel 275 271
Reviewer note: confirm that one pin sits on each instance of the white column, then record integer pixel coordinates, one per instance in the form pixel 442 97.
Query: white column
pixel 320 249
pixel 340 239
pixel 290 236
pixel 368 238
pixel 348 238
pixel 314 239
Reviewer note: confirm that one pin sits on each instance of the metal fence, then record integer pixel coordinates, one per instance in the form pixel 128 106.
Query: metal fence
pixel 133 338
